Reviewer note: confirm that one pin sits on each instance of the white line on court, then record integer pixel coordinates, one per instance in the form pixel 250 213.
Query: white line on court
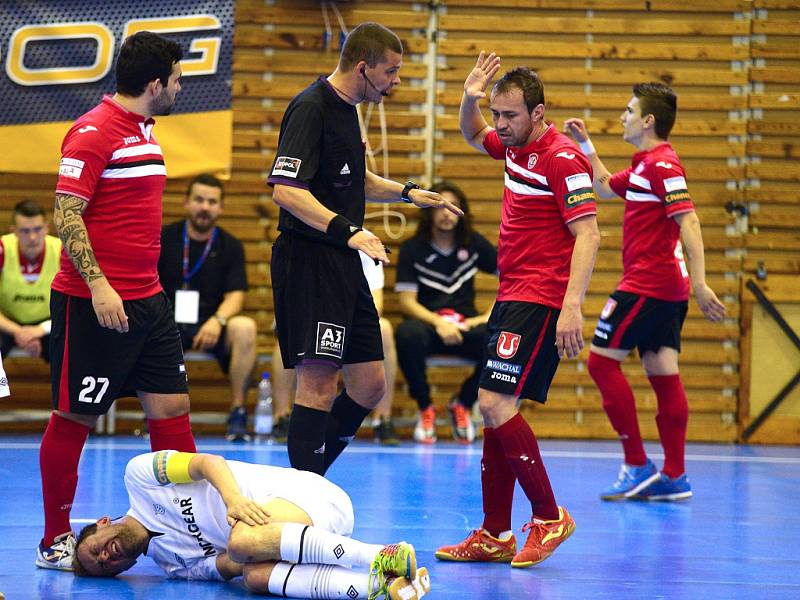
pixel 223 448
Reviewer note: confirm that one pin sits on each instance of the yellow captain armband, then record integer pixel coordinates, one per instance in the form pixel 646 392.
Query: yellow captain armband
pixel 170 466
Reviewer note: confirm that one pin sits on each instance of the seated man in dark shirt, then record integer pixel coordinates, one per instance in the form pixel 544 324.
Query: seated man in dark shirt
pixel 202 270
pixel 436 282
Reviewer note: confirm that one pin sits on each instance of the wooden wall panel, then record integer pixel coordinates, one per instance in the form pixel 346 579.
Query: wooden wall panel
pixel 734 64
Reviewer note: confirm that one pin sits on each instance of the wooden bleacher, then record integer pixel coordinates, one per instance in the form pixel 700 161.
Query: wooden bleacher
pixel 734 64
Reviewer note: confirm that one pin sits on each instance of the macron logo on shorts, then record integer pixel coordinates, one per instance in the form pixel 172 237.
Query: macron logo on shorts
pixel 330 339
pixel 287 166
pixel 71 167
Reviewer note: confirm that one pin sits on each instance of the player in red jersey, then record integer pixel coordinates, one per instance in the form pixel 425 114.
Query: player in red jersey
pixel 113 331
pixel 649 306
pixel 546 251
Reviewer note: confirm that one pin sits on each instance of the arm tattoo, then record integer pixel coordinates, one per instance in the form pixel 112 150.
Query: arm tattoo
pixel 71 229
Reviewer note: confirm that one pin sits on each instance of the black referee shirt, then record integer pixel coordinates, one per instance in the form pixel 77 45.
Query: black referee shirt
pixel 320 149
pixel 444 279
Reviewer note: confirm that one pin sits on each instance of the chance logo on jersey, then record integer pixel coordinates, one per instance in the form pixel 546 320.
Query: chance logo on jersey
pixel 676 189
pixel 286 166
pixel 508 344
pixel 579 190
pixel 330 339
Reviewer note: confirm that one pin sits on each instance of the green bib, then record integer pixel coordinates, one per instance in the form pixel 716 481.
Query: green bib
pixel 23 302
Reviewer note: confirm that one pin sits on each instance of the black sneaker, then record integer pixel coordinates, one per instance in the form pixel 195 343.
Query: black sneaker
pixel 280 430
pixel 385 434
pixel 237 425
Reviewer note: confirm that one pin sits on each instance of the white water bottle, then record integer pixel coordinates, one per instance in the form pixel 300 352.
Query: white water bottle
pixel 263 412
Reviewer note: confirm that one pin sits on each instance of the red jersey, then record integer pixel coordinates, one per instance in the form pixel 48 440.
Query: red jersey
pixel 111 159
pixel 548 183
pixel 654 188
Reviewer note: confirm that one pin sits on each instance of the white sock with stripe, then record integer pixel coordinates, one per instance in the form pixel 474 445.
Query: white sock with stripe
pixel 317 581
pixel 304 544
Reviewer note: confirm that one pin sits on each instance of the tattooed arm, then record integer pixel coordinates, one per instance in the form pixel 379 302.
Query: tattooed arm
pixel 68 219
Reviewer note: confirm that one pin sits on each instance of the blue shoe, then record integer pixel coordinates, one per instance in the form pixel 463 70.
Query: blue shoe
pixel 630 481
pixel 237 425
pixel 666 489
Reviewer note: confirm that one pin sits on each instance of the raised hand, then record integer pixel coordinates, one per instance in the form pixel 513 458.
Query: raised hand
pixel 481 75
pixel 577 128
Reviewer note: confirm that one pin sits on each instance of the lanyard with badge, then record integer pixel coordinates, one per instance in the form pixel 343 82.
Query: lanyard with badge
pixel 187 302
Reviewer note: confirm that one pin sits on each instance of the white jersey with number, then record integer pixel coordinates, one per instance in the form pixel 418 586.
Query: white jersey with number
pixel 189 520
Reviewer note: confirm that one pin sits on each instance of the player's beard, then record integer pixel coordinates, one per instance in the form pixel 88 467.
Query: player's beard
pixel 203 226
pixel 162 105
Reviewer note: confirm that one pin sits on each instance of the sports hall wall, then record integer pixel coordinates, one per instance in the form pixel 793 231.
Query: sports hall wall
pixel 736 68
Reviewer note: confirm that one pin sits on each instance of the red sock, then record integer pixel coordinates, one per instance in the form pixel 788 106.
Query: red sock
pixel 672 417
pixel 522 454
pixel 619 404
pixel 59 455
pixel 497 483
pixel 171 434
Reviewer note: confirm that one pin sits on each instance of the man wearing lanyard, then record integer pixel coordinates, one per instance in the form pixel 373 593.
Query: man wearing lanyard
pixel 202 270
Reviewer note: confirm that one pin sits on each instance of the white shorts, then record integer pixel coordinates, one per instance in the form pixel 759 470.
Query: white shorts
pixel 326 503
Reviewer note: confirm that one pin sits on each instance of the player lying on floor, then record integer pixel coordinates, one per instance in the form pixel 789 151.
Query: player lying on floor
pixel 287 532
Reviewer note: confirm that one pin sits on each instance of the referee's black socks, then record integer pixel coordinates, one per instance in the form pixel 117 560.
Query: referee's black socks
pixel 306 440
pixel 343 423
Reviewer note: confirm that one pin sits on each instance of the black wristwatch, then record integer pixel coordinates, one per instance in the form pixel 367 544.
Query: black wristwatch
pixel 410 185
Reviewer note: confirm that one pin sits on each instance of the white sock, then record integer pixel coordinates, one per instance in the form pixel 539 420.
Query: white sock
pixel 304 544
pixel 317 581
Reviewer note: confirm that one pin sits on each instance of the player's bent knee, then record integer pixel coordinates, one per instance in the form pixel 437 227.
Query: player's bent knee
pixel 245 541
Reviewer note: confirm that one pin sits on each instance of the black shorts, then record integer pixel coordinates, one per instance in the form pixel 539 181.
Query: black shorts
pixel 324 310
pixel 521 352
pixel 631 321
pixel 93 365
pixel 221 351
pixel 7 343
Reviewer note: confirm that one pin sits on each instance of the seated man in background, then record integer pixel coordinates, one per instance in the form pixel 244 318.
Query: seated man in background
pixel 29 259
pixel 286 531
pixel 436 282
pixel 284 380
pixel 202 270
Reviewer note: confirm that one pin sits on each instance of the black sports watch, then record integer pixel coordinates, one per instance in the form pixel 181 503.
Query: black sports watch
pixel 410 185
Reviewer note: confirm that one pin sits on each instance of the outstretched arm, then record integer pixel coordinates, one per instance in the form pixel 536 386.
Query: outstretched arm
pixel 601 175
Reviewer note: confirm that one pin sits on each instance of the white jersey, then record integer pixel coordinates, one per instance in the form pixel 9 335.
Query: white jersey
pixel 189 520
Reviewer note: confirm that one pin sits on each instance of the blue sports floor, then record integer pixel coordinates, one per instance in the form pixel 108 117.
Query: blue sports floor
pixel 739 537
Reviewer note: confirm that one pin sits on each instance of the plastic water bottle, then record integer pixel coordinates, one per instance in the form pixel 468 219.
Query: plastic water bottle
pixel 263 412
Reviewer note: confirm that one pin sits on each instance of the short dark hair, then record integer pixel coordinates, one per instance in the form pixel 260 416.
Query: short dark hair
pixel 143 57
pixel 206 179
pixel 464 226
pixel 368 42
pixel 27 208
pixel 77 567
pixel 526 80
pixel 659 100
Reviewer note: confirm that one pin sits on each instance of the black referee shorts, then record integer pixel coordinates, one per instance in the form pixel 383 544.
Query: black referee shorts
pixel 324 310
pixel 91 365
pixel 522 357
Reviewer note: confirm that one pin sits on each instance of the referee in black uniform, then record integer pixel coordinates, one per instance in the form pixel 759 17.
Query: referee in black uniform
pixel 324 313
